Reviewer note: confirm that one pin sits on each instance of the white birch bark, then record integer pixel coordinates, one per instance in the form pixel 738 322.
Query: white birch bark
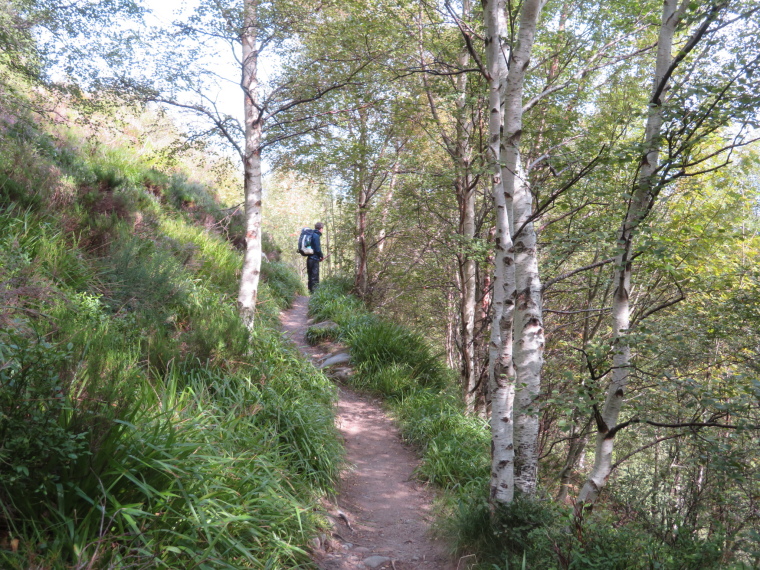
pixel 621 310
pixel 528 339
pixel 500 370
pixel 249 279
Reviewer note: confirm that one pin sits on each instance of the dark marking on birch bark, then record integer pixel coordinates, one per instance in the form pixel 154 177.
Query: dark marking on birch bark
pixel 621 293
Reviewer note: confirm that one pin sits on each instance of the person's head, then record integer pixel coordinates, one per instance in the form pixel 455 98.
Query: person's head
pixel 318 226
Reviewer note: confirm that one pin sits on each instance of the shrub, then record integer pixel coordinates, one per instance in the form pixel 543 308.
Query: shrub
pixel 33 407
pixel 332 301
pixel 455 446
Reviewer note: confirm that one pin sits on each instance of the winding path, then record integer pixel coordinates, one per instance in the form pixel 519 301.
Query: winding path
pixel 382 513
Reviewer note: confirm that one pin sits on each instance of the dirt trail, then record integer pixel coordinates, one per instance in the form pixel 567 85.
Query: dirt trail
pixel 387 509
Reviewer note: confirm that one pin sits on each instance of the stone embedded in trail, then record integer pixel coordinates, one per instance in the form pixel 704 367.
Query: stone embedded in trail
pixel 335 359
pixel 341 373
pixel 375 561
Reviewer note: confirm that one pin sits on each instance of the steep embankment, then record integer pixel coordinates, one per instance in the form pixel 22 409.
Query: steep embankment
pixel 382 512
pixel 141 425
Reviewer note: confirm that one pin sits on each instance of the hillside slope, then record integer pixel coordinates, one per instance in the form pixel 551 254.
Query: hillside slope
pixel 140 424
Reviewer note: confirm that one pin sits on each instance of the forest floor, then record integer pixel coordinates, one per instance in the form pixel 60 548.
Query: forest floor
pixel 381 515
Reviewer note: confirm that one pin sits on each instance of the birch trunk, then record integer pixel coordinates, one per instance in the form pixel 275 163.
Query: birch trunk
pixel 500 369
pixel 468 301
pixel 638 209
pixel 465 189
pixel 529 338
pixel 528 333
pixel 249 279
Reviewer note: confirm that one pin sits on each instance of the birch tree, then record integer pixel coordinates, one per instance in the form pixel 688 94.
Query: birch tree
pixel 249 277
pixel 507 86
pixel 500 366
pixel 275 110
pixel 652 176
pixel 528 337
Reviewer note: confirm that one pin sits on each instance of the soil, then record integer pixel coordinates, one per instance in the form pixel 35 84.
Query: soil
pixel 382 513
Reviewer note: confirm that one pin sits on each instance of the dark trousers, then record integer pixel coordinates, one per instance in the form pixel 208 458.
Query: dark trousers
pixel 312 272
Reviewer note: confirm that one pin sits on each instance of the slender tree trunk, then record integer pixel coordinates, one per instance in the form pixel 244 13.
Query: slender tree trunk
pixel 360 244
pixel 363 181
pixel 387 201
pixel 468 300
pixel 638 209
pixel 473 392
pixel 500 371
pixel 249 279
pixel 574 453
pixel 451 328
pixel 529 338
pixel 528 321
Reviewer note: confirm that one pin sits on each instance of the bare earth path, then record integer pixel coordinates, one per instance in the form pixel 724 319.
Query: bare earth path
pixel 387 509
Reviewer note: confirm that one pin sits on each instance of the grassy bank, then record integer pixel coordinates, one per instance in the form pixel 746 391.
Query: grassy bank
pixel 140 424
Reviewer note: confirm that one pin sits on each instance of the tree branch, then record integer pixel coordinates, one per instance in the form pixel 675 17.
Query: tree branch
pixel 693 41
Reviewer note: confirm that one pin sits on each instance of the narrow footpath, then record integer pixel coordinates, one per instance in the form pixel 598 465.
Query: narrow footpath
pixel 382 513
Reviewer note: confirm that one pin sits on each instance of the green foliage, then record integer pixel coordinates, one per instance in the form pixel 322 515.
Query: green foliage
pixel 455 447
pixel 141 424
pixel 283 283
pixel 331 301
pixel 12 192
pixel 543 534
pixel 183 193
pixel 33 408
pixel 316 335
pixel 376 345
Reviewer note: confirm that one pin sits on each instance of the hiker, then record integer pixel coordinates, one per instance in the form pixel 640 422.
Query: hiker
pixel 312 261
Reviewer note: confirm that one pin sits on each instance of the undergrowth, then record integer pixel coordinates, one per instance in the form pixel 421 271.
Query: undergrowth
pixel 396 363
pixel 141 424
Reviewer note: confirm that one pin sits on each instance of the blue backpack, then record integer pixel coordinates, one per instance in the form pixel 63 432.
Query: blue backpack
pixel 304 242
